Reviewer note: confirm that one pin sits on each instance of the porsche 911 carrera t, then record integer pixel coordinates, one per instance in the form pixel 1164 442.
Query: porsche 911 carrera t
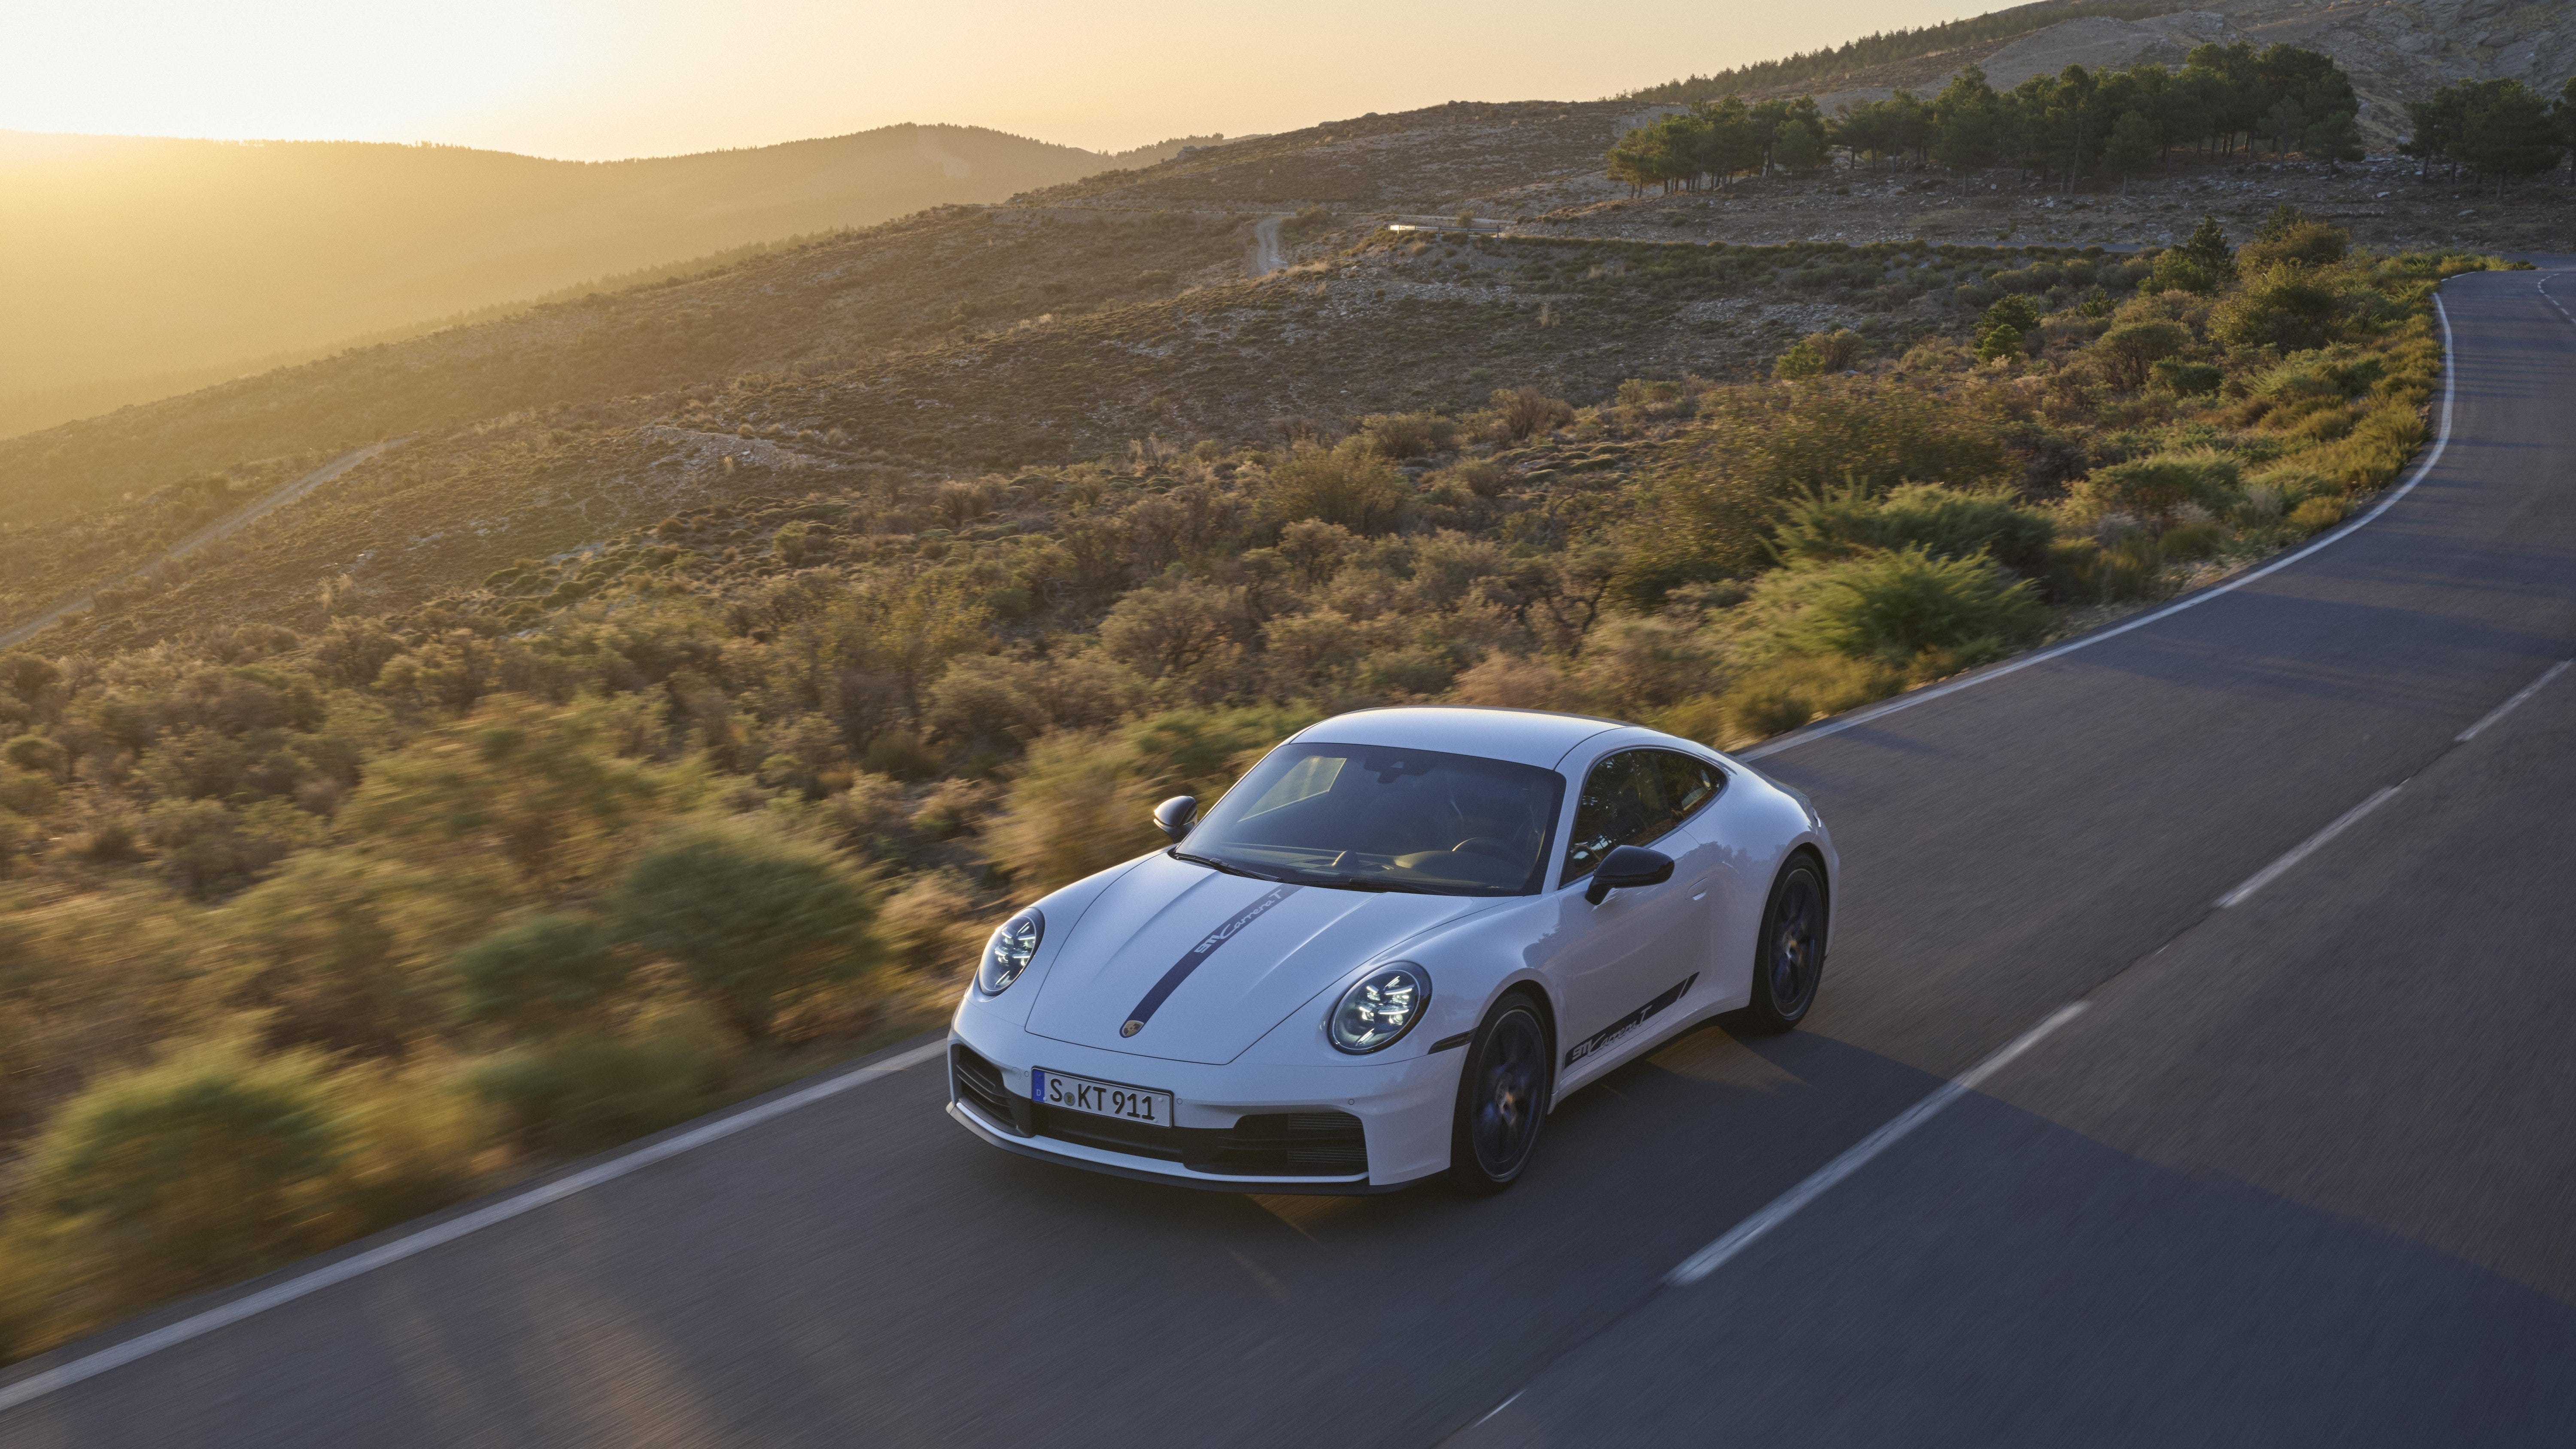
pixel 1389 951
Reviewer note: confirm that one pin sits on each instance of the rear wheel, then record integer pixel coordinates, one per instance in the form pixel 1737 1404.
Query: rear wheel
pixel 1502 1098
pixel 1791 953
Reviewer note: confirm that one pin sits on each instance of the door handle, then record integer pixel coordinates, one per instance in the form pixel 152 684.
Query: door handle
pixel 1701 894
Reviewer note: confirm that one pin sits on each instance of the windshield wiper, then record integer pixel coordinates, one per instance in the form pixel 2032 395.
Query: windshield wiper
pixel 1212 863
pixel 1370 883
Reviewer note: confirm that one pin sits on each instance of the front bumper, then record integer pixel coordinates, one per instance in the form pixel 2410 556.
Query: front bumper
pixel 1404 1108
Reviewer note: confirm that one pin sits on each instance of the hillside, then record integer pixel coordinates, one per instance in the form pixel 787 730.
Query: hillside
pixel 1085 315
pixel 2393 49
pixel 136 264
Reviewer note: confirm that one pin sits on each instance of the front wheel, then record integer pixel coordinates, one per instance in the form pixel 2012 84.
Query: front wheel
pixel 1502 1098
pixel 1791 955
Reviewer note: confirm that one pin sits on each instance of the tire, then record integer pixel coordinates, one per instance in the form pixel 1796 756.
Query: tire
pixel 1789 955
pixel 1502 1097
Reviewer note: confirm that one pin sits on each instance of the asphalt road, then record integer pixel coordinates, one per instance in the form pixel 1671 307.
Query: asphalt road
pixel 2300 1173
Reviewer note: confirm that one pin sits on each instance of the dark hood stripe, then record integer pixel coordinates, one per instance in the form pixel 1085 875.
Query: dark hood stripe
pixel 1192 959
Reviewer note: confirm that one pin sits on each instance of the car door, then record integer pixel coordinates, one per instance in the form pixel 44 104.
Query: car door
pixel 1700 856
pixel 1633 956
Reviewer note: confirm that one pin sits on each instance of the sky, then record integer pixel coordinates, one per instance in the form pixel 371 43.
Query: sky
pixel 602 79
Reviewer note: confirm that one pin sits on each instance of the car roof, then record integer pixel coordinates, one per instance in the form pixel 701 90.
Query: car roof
pixel 1522 736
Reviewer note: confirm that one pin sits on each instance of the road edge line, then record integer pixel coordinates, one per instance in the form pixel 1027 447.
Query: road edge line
pixel 2441 441
pixel 1780 1209
pixel 88 1366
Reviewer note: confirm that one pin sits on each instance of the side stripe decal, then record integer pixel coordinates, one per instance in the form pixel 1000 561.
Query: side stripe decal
pixel 1192 959
pixel 1628 1023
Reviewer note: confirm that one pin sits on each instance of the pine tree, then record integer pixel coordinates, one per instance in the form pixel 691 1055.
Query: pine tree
pixel 2133 147
pixel 2506 132
pixel 2208 248
pixel 2334 140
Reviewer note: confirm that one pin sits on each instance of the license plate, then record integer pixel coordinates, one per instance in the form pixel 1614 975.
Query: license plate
pixel 1106 1099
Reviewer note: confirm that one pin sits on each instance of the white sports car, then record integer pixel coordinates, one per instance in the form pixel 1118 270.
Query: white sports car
pixel 1389 950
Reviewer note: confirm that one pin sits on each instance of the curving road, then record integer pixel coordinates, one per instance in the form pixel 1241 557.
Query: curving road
pixel 2299 1172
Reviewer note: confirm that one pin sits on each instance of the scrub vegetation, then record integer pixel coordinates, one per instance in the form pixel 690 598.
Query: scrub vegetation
pixel 701 728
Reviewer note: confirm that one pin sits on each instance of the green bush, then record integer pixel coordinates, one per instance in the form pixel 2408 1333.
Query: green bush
pixel 751 917
pixel 541 973
pixel 2152 488
pixel 2130 351
pixel 1818 353
pixel 2189 379
pixel 1947 522
pixel 209 1165
pixel 320 952
pixel 1895 605
pixel 2020 314
pixel 586 1090
pixel 2178 271
pixel 2288 306
pixel 1347 485
pixel 2290 235
pixel 2197 540
pixel 2082 571
pixel 36 755
pixel 1410 435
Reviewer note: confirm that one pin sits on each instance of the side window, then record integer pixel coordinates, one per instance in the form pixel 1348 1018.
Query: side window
pixel 1688 783
pixel 1623 803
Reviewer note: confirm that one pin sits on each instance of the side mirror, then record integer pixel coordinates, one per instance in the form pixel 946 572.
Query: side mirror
pixel 1626 867
pixel 1173 818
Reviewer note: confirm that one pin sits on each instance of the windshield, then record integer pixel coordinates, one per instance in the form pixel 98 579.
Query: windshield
pixel 1366 817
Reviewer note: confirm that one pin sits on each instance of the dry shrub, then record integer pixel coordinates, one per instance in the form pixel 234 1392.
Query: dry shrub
pixel 2316 516
pixel 1525 411
pixel 931 928
pixel 1348 485
pixel 1791 691
pixel 1410 435
pixel 1637 664
pixel 1073 810
pixel 1517 681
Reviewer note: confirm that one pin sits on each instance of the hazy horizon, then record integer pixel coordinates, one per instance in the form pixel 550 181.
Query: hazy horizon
pixel 583 80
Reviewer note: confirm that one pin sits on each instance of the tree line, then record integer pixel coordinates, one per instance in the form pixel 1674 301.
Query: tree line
pixel 2499 129
pixel 1886 47
pixel 2064 128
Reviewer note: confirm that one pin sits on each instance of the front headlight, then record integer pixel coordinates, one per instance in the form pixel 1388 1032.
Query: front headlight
pixel 1382 1006
pixel 1014 942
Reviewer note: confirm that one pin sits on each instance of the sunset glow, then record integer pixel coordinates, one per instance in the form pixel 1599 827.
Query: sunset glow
pixel 589 79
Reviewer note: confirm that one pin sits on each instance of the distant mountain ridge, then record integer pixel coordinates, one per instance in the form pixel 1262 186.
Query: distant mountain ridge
pixel 126 262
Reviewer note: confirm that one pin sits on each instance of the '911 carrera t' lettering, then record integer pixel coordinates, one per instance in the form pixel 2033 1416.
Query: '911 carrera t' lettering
pixel 1181 969
pixel 1626 1024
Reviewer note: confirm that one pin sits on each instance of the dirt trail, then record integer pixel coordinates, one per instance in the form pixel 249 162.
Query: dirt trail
pixel 220 529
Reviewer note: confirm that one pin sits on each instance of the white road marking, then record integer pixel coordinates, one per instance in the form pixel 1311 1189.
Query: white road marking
pixel 62 1376
pixel 2309 846
pixel 2441 440
pixel 2543 284
pixel 2528 690
pixel 1498 1408
pixel 1709 1259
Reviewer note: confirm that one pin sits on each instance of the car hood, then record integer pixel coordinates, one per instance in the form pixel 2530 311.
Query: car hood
pixel 1210 962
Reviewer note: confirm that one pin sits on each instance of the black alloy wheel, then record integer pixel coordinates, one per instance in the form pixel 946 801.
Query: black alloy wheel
pixel 1502 1098
pixel 1792 947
